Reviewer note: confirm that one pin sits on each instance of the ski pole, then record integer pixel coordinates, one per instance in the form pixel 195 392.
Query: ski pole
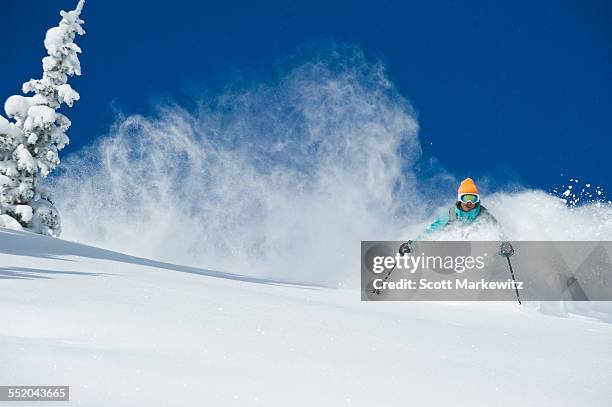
pixel 507 250
pixel 377 291
pixel 404 249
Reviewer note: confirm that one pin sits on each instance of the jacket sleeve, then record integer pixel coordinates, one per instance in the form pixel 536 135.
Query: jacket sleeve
pixel 438 224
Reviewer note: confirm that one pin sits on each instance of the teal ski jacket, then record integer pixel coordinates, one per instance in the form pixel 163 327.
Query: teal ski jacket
pixel 455 214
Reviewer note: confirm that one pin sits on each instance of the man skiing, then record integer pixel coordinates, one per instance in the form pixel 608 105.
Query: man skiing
pixel 465 211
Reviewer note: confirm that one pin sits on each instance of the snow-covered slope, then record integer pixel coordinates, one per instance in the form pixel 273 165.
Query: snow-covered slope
pixel 126 331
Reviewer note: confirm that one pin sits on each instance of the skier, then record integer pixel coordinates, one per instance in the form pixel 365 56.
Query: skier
pixel 465 211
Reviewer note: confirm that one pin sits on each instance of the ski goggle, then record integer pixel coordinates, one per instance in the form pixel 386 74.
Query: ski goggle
pixel 465 198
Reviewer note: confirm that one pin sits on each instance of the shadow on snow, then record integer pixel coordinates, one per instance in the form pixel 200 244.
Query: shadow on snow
pixel 18 243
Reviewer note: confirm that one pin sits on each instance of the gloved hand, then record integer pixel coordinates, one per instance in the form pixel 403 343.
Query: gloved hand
pixel 405 248
pixel 506 249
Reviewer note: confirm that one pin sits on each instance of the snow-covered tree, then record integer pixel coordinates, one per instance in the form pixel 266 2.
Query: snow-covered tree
pixel 29 145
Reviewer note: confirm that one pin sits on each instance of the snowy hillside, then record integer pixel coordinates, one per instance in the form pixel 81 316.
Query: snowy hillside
pixel 126 331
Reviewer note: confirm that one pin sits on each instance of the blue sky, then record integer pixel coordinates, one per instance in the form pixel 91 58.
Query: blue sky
pixel 519 90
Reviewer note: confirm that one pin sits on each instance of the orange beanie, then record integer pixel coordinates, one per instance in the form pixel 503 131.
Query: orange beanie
pixel 467 187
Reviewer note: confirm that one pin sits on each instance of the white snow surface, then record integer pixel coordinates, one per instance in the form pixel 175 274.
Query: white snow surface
pixel 17 106
pixel 39 116
pixel 127 331
pixel 9 222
